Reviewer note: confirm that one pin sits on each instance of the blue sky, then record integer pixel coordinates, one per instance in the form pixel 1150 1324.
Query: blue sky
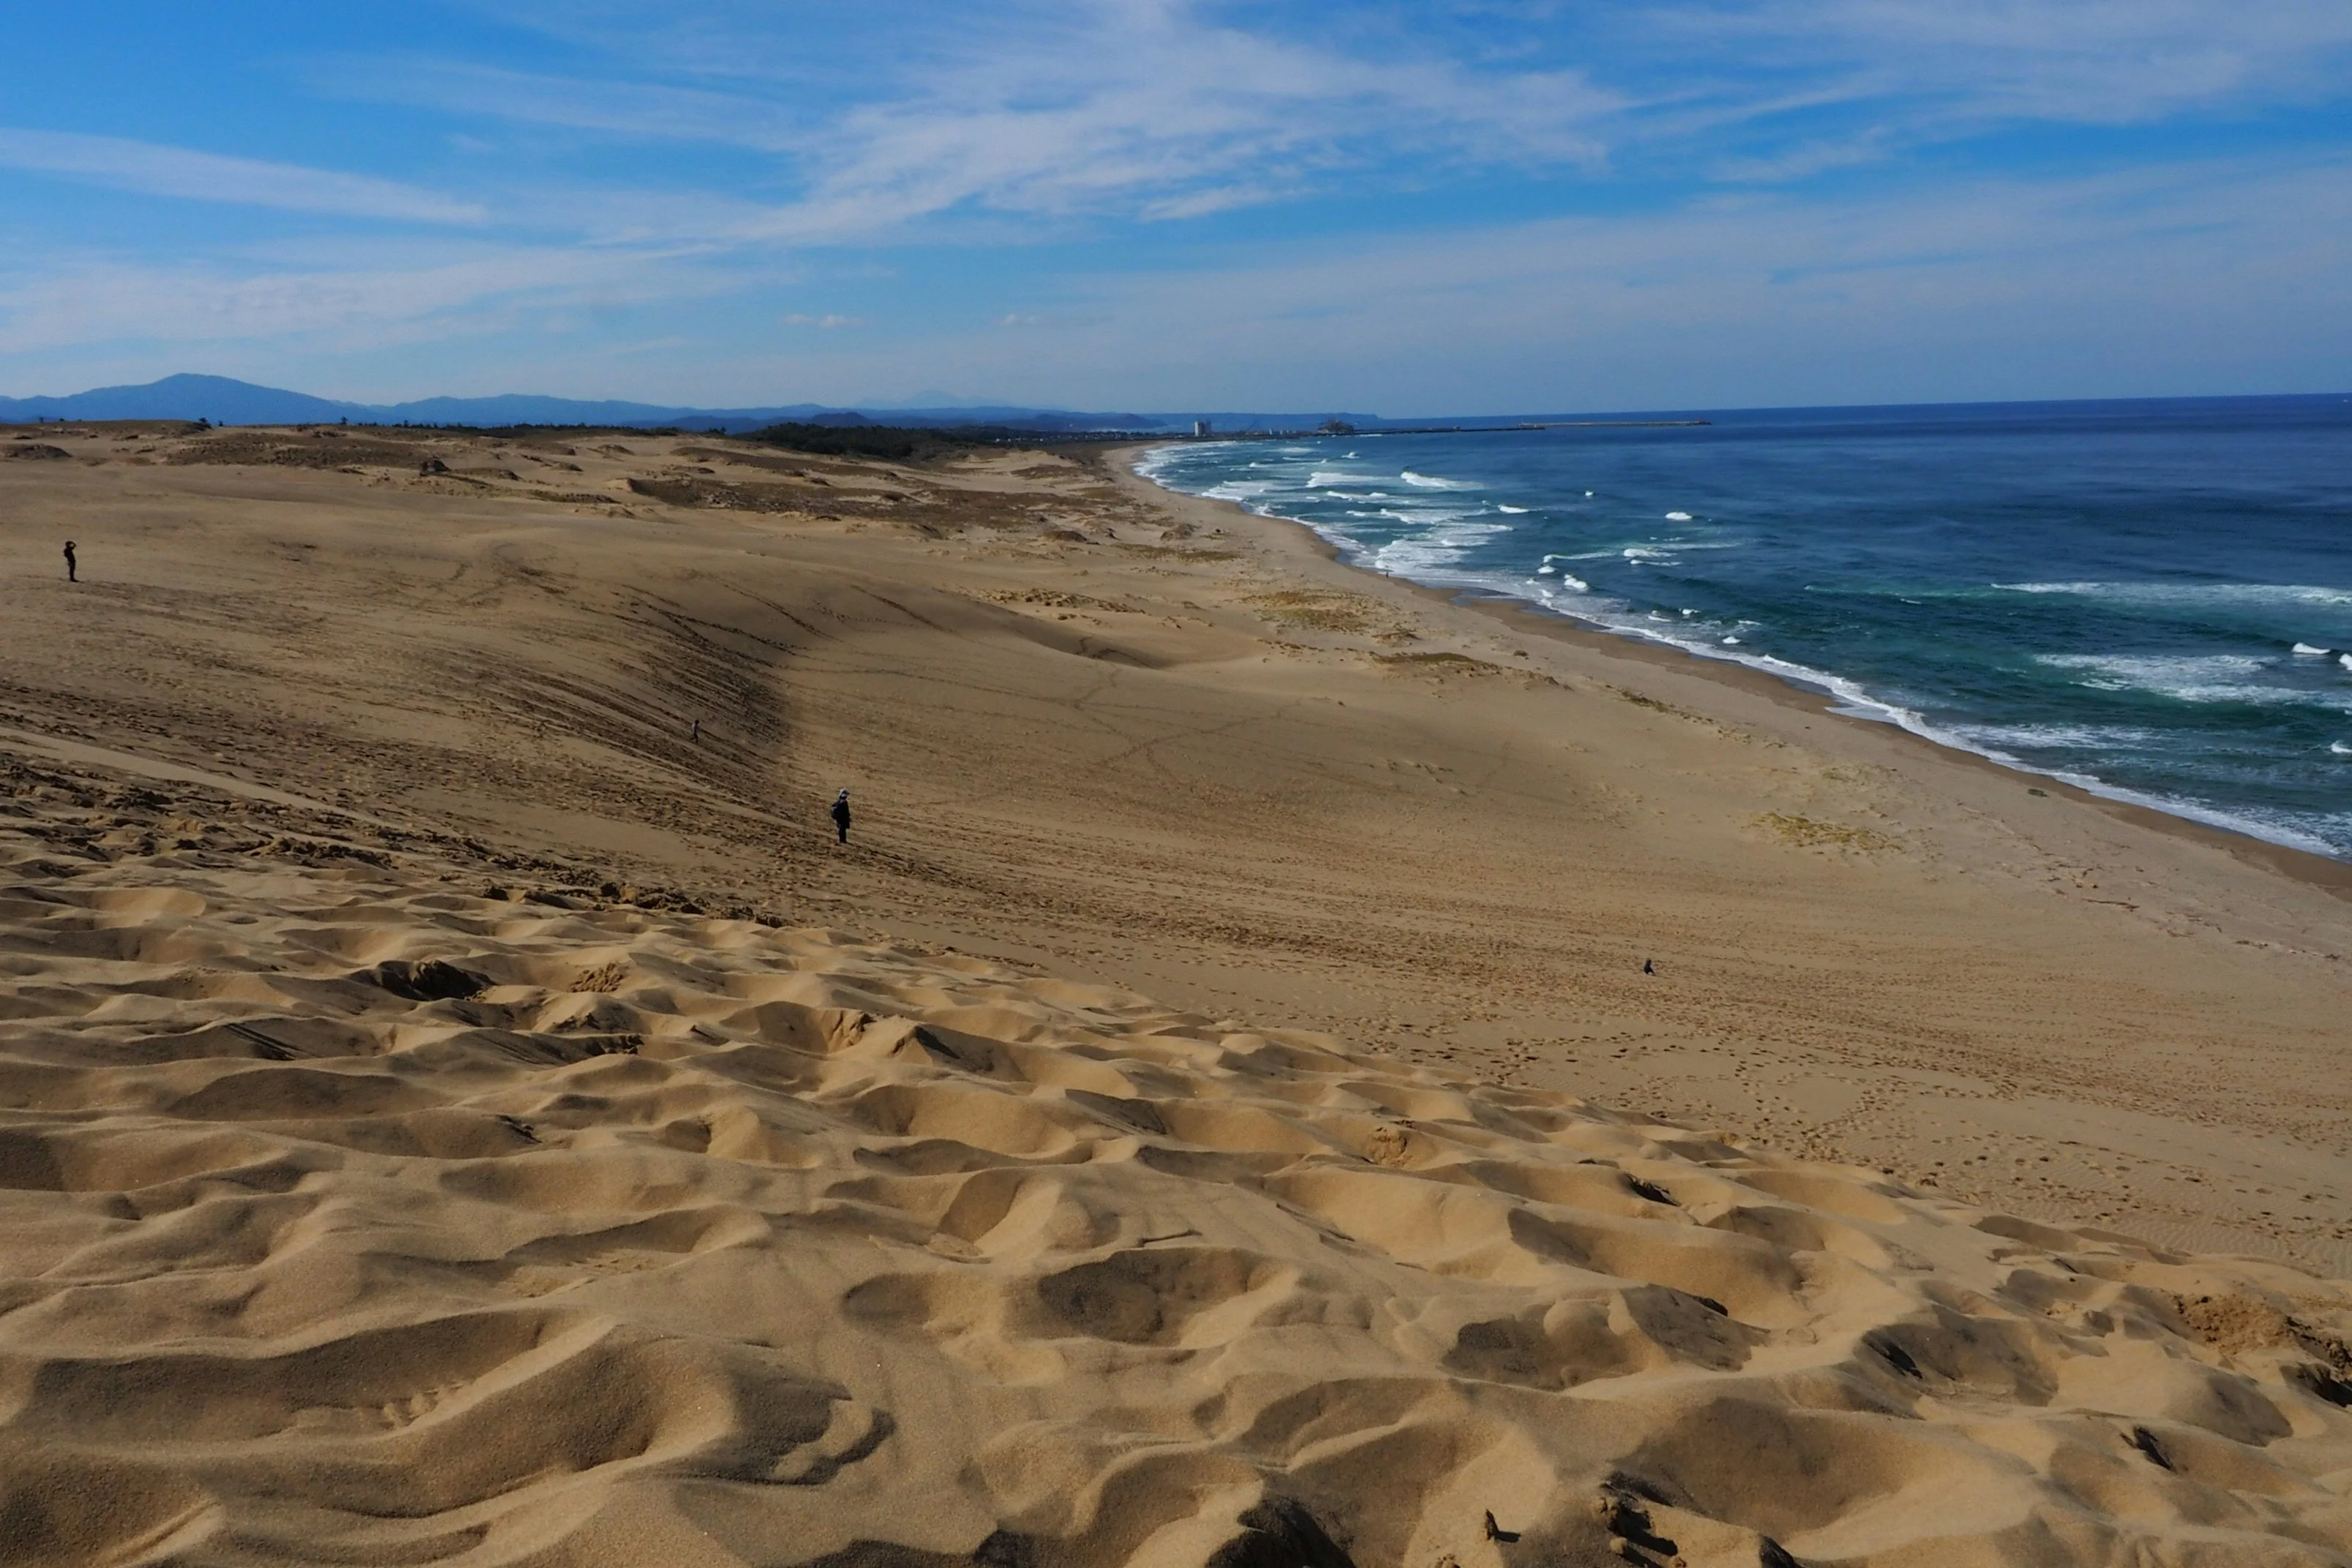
pixel 1399 208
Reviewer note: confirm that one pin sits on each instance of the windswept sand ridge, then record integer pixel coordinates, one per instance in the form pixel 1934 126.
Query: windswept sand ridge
pixel 347 1216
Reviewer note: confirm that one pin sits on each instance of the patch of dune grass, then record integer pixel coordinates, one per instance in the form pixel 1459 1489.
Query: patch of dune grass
pixel 1324 612
pixel 1815 835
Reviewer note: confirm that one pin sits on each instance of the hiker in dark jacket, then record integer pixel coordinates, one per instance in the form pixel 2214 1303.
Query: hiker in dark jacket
pixel 72 575
pixel 840 815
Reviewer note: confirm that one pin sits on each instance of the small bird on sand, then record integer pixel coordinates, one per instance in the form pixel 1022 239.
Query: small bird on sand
pixel 1648 968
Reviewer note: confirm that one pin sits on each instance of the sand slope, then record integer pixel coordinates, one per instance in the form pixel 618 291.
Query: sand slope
pixel 350 1216
pixel 1161 745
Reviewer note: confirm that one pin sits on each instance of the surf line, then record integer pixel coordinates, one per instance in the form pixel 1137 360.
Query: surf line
pixel 1215 437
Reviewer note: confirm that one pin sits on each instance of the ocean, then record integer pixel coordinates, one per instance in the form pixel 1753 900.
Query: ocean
pixel 2149 599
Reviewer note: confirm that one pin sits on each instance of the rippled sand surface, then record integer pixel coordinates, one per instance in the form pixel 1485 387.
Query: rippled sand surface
pixel 352 1216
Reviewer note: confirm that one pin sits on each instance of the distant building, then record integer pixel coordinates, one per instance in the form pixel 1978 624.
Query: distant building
pixel 1201 427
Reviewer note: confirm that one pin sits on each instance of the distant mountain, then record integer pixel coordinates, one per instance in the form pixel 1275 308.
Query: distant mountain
pixel 226 401
pixel 213 397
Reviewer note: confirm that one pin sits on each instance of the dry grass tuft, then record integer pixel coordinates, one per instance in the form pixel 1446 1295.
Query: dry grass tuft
pixel 1440 664
pixel 1816 834
pixel 606 978
pixel 1316 610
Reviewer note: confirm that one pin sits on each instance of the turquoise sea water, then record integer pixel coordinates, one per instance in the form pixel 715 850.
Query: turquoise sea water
pixel 2152 599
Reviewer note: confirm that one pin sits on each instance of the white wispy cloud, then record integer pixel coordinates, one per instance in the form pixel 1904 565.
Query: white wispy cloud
pixel 360 299
pixel 2185 278
pixel 1952 66
pixel 1171 108
pixel 1134 107
pixel 621 108
pixel 190 175
pixel 652 153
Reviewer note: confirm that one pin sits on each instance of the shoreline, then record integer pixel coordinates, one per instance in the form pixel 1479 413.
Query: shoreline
pixel 2304 866
pixel 468 1104
pixel 1124 737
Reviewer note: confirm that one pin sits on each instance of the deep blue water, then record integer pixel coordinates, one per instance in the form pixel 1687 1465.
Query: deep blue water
pixel 2152 599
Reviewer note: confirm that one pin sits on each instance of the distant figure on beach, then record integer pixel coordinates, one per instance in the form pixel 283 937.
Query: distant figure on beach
pixel 72 572
pixel 840 815
pixel 1648 968
pixel 697 731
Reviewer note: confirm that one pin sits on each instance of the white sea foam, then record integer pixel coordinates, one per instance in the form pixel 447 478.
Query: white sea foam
pixel 2059 737
pixel 2192 593
pixel 1853 701
pixel 1323 477
pixel 1153 461
pixel 1437 561
pixel 2154 670
pixel 1431 482
pixel 2310 652
pixel 1434 549
pixel 1677 516
pixel 1512 510
pixel 2200 677
pixel 1640 555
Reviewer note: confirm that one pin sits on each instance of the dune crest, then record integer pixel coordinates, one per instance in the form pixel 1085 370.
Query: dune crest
pixel 352 1216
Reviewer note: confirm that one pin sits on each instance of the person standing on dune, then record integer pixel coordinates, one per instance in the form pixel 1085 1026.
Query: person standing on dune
pixel 841 815
pixel 72 572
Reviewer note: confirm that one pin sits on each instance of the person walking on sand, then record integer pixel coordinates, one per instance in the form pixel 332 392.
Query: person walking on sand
pixel 72 572
pixel 841 815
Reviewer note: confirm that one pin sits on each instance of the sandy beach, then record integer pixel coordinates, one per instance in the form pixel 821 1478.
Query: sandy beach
pixel 1214 1108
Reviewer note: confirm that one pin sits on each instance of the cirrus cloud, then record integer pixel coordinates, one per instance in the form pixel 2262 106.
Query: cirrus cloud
pixel 190 175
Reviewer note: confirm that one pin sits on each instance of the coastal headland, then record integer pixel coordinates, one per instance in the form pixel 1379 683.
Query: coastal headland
pixel 1287 1068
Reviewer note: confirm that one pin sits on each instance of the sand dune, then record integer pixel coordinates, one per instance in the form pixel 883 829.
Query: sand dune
pixel 1163 745
pixel 455 1111
pixel 352 1216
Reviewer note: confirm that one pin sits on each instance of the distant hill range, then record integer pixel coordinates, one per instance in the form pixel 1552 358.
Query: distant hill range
pixel 226 401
